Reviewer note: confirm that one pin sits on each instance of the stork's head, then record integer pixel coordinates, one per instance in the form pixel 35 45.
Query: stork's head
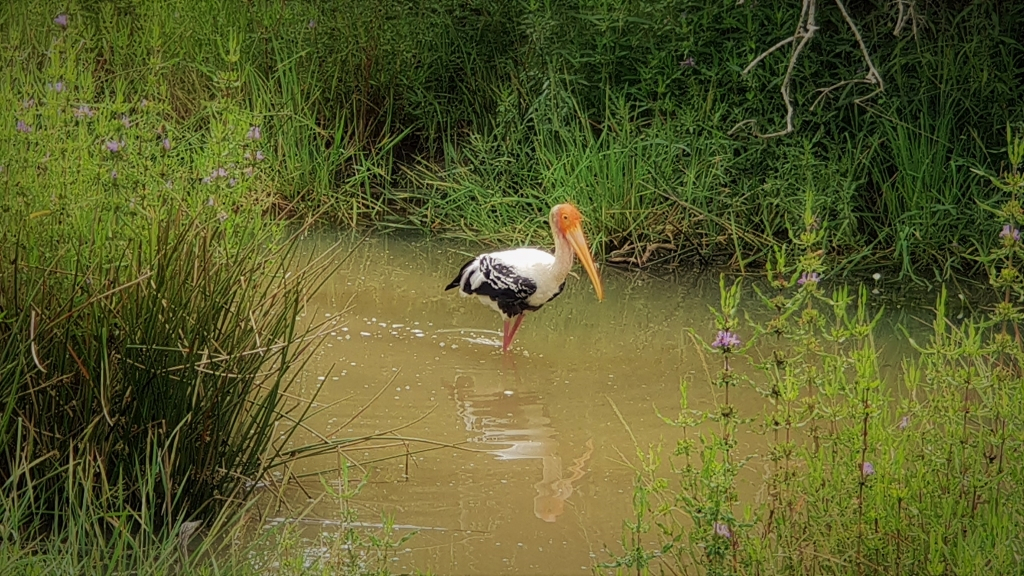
pixel 567 222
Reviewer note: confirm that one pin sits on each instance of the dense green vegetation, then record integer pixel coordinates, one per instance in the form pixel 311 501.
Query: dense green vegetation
pixel 150 320
pixel 473 118
pixel 915 473
pixel 148 324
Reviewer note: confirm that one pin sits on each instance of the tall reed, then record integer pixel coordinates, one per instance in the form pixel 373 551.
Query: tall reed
pixel 148 305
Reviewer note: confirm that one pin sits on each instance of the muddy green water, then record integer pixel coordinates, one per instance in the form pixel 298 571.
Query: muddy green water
pixel 543 488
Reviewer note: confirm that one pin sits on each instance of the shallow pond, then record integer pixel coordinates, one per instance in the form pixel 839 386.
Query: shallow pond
pixel 542 487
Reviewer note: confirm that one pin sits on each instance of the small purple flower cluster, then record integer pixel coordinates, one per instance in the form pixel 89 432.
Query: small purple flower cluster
pixel 166 144
pixel 726 340
pixel 723 530
pixel 867 469
pixel 216 174
pixel 1010 232
pixel 809 277
pixel 259 157
pixel 23 127
pixel 114 145
pixel 254 133
pixel 57 86
pixel 83 111
pixel 61 20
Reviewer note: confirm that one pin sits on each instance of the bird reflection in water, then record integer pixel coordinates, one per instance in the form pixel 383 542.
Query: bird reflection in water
pixel 519 423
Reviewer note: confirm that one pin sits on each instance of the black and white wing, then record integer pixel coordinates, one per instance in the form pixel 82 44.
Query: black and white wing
pixel 500 281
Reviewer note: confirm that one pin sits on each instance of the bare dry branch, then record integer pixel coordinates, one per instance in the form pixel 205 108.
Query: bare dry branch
pixel 805 30
pixel 825 91
pixel 873 76
pixel 906 14
pixel 765 54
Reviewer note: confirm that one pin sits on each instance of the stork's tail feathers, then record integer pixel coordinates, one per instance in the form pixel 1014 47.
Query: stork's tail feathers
pixel 460 277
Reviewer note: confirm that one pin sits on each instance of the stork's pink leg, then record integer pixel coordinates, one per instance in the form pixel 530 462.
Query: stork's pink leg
pixel 515 328
pixel 504 336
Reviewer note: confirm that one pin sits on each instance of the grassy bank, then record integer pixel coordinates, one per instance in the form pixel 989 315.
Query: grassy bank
pixel 472 119
pixel 150 305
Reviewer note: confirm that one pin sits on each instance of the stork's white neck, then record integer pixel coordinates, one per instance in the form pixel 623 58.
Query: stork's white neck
pixel 564 254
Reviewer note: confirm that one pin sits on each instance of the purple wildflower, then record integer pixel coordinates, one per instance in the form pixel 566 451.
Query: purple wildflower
pixel 723 530
pixel 83 111
pixel 166 143
pixel 254 133
pixel 259 156
pixel 688 63
pixel 57 86
pixel 222 216
pixel 220 173
pixel 904 422
pixel 726 340
pixel 312 24
pixel 126 121
pixel 210 202
pixel 1010 232
pixel 114 145
pixel 143 103
pixel 30 103
pixel 23 128
pixel 812 277
pixel 867 469
pixel 232 182
pixel 61 20
pixel 206 180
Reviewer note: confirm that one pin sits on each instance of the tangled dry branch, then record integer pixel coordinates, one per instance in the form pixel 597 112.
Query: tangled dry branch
pixel 805 30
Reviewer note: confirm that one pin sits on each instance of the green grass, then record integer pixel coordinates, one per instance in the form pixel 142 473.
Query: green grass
pixel 149 298
pixel 147 313
pixel 919 472
pixel 473 120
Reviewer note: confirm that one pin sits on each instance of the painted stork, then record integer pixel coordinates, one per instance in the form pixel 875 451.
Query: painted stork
pixel 513 282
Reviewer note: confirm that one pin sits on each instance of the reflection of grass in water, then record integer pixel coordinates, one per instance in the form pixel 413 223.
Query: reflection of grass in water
pixel 921 475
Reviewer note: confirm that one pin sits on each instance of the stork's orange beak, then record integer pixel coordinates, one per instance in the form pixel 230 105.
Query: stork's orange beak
pixel 574 234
